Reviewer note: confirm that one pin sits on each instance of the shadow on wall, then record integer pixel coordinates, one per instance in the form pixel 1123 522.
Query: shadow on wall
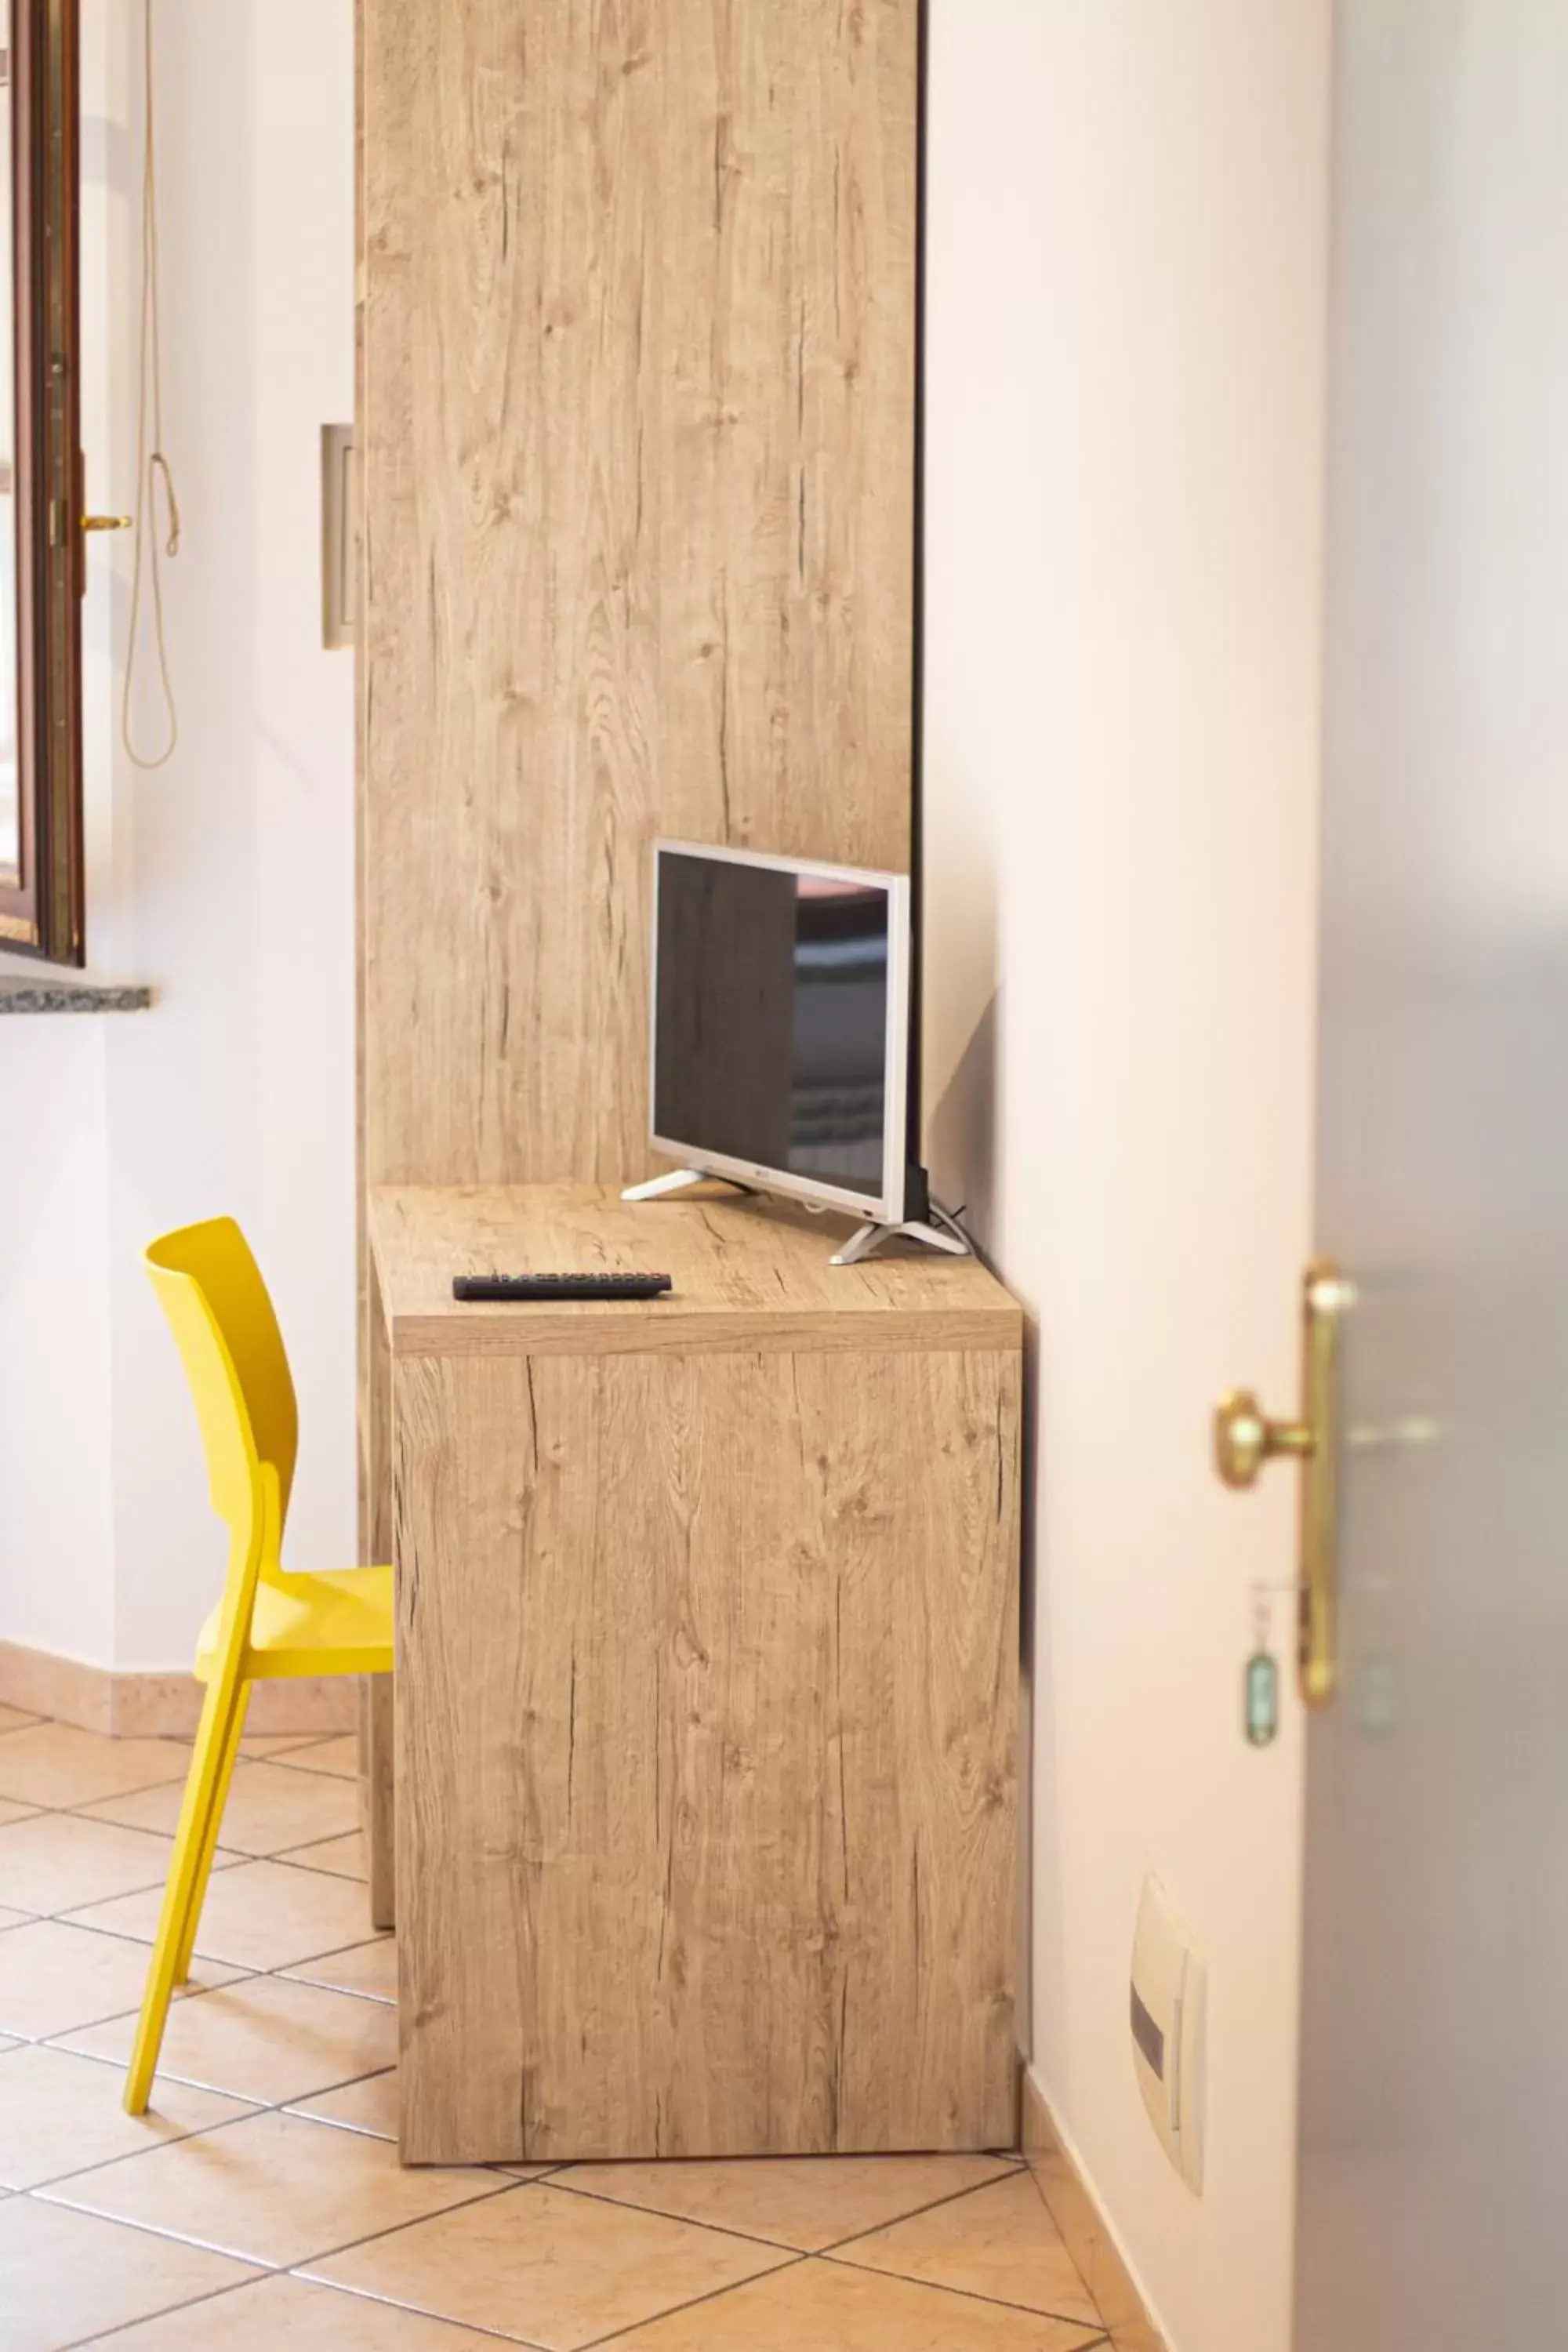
pixel 961 1132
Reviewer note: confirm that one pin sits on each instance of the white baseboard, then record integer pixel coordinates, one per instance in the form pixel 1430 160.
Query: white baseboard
pixel 1087 2233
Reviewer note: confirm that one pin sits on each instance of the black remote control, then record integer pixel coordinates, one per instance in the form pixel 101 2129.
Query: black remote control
pixel 472 1288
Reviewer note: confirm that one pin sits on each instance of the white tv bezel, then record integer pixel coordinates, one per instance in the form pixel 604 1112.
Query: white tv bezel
pixel 887 1207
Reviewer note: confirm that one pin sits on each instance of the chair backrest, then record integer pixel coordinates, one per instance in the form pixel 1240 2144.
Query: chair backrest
pixel 211 1289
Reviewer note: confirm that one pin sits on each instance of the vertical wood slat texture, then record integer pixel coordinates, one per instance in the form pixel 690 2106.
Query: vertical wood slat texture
pixel 376 1727
pixel 637 428
pixel 707 1724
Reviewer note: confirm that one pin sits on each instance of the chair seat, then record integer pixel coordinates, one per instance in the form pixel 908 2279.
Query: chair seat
pixel 338 1623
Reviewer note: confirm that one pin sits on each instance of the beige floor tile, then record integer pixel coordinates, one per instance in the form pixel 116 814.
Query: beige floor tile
pixel 998 2242
pixel 284 2039
pixel 270 1808
pixel 343 1856
pixel 10 1812
pixel 276 1743
pixel 58 1861
pixel 306 2318
pixel 368 2106
pixel 339 1756
pixel 53 1764
pixel 548 2268
pixel 13 1720
pixel 372 2106
pixel 819 2306
pixel 67 2276
pixel 14 1920
pixel 263 2038
pixel 257 1915
pixel 273 2189
pixel 55 1975
pixel 370 1969
pixel 806 2202
pixel 59 2115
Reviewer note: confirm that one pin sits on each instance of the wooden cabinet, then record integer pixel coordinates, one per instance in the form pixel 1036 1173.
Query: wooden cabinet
pixel 635 428
pixel 637 432
pixel 707 1630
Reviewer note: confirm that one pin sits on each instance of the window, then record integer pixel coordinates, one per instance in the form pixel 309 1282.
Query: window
pixel 41 564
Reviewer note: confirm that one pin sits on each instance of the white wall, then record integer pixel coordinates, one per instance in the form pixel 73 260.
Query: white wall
pixel 1127 253
pixel 57 1537
pixel 226 878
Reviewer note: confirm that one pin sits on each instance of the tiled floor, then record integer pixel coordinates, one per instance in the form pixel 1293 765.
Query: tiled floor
pixel 262 2205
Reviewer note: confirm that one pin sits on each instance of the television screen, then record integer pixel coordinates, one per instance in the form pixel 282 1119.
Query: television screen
pixel 772 1042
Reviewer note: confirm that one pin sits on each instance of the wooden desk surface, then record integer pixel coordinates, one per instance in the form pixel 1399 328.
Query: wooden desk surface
pixel 750 1276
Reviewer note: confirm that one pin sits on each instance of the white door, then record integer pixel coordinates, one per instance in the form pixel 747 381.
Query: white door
pixel 1434 2182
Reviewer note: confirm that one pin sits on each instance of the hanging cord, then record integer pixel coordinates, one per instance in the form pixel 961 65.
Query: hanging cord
pixel 152 471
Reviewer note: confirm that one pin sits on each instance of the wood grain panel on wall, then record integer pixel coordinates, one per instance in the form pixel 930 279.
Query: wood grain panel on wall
pixel 708 1781
pixel 638 427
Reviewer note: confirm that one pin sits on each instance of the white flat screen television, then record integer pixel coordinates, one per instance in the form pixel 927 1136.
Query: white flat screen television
pixel 781 1026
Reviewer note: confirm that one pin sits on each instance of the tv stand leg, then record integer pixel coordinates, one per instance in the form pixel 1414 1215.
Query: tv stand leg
pixel 677 1179
pixel 947 1235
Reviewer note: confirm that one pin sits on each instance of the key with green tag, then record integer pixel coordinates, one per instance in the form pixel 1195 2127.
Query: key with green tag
pixel 1262 1710
pixel 1260 1699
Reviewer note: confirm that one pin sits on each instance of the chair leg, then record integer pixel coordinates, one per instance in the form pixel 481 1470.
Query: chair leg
pixel 197 1896
pixel 197 1814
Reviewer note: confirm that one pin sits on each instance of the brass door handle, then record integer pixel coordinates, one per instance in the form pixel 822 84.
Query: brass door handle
pixel 106 523
pixel 1244 1439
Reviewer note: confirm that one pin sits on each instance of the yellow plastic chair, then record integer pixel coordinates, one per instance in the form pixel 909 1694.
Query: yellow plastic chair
pixel 268 1624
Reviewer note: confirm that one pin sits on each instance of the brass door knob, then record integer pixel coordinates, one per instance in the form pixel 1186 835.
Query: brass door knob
pixel 106 523
pixel 1244 1439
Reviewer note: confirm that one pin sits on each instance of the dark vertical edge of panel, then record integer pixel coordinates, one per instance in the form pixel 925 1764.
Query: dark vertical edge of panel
pixel 23 905
pixel 914 1137
pixel 67 559
pixel 43 912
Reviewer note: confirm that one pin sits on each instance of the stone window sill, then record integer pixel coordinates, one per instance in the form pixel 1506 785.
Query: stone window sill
pixel 71 996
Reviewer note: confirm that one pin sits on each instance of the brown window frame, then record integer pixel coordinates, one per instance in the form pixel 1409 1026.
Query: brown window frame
pixel 43 914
